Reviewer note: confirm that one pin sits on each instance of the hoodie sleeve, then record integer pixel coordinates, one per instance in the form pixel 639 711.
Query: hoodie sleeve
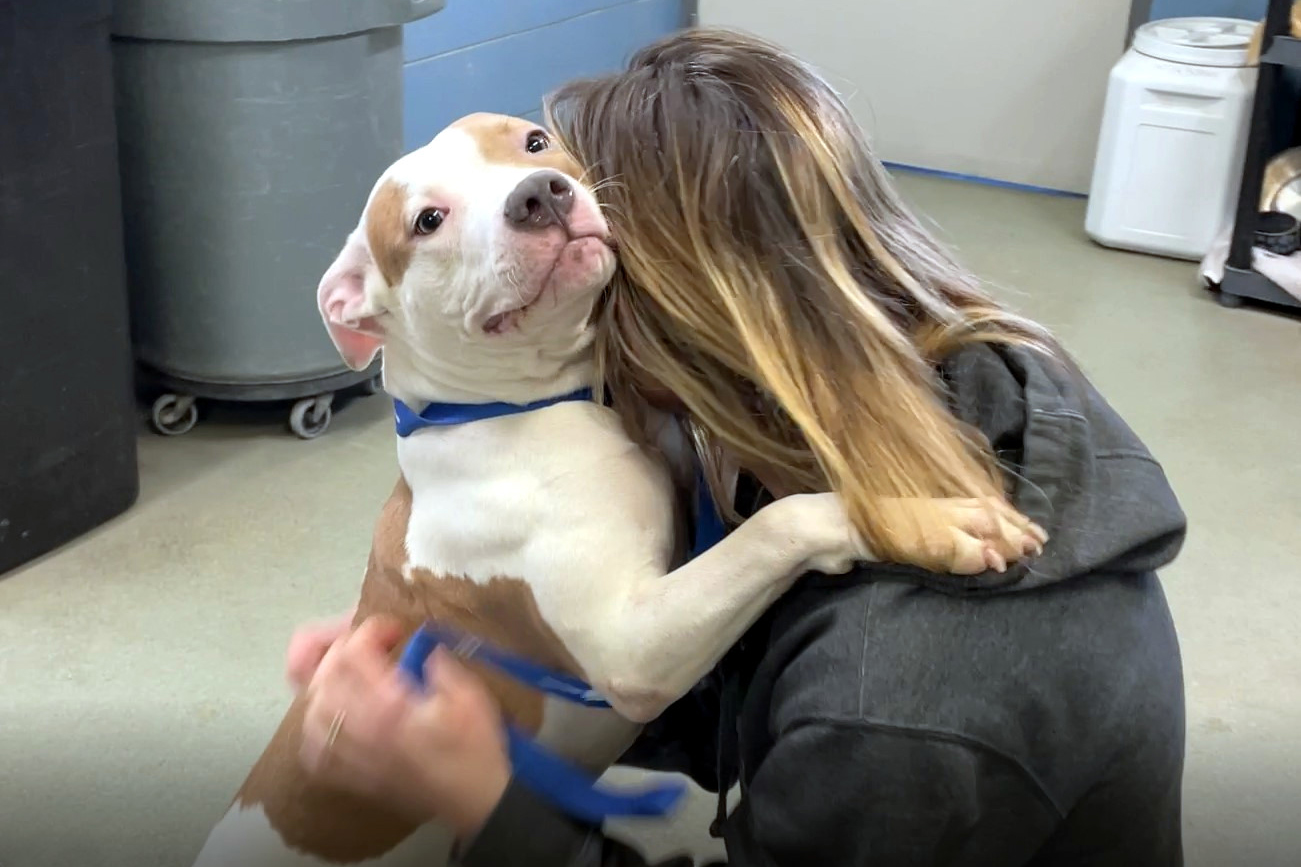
pixel 525 831
pixel 848 795
pixel 854 794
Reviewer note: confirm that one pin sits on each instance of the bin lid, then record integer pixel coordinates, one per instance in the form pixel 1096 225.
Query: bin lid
pixel 261 20
pixel 1196 41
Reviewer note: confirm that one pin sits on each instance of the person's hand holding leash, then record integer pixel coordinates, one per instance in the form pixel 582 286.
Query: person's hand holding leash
pixel 366 729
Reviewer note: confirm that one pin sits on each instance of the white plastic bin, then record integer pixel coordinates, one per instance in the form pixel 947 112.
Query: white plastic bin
pixel 1173 136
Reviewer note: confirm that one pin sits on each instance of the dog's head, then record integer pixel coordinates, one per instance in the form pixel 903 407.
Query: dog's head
pixel 475 265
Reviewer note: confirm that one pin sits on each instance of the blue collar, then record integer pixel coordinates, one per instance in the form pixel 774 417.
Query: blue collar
pixel 444 414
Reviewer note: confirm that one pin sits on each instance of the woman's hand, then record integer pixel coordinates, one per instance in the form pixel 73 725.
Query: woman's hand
pixel 368 730
pixel 308 647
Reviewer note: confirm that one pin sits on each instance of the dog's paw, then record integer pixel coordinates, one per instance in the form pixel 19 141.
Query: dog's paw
pixel 963 536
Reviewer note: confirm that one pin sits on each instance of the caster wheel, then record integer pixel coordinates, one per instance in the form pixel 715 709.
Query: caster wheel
pixel 1229 300
pixel 374 385
pixel 311 416
pixel 173 415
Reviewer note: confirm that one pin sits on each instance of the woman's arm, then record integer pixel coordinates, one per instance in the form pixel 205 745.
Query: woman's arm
pixel 826 794
pixel 525 831
pixel 856 793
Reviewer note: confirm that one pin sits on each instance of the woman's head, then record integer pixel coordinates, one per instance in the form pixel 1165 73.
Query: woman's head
pixel 771 278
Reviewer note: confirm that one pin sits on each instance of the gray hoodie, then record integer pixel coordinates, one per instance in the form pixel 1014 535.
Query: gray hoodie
pixel 895 717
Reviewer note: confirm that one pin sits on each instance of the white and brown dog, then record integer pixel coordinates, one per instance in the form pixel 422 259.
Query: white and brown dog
pixel 549 533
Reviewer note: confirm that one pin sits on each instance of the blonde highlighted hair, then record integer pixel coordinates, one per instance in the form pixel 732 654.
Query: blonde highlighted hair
pixel 772 280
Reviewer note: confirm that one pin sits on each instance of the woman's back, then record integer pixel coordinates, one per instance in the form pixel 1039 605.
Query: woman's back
pixel 1043 727
pixel 1037 719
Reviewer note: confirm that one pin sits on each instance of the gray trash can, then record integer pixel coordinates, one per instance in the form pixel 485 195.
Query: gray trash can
pixel 250 134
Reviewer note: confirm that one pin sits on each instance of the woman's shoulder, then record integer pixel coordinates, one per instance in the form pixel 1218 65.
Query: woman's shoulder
pixel 1002 388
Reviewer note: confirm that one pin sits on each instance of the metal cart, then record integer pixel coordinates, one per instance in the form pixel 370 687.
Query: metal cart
pixel 1279 51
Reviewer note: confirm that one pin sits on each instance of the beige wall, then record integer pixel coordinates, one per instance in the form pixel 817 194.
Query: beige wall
pixel 1007 89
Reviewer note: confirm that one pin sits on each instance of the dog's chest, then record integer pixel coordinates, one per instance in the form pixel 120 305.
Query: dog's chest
pixel 500 610
pixel 478 535
pixel 520 496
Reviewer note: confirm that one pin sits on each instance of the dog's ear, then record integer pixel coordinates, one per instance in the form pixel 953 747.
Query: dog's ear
pixel 350 316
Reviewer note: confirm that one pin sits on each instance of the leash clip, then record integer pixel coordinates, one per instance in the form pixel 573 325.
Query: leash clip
pixel 467 646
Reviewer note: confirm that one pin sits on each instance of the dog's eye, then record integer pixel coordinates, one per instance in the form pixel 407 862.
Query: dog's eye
pixel 429 221
pixel 537 142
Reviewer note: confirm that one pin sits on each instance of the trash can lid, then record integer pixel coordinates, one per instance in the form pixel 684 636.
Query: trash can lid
pixel 261 20
pixel 1196 41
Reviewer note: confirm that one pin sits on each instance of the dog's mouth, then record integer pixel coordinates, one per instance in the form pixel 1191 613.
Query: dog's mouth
pixel 508 320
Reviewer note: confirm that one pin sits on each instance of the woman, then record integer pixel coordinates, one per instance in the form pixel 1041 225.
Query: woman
pixel 775 291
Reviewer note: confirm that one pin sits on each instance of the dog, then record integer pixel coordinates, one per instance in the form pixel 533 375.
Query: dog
pixel 548 533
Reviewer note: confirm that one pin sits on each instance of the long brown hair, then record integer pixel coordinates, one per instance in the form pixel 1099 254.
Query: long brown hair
pixel 772 279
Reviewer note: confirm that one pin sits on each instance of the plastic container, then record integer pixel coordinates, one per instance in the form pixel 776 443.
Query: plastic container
pixel 1173 138
pixel 251 133
pixel 68 418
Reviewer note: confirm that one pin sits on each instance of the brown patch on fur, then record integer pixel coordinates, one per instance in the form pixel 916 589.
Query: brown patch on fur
pixel 501 141
pixel 386 231
pixel 343 828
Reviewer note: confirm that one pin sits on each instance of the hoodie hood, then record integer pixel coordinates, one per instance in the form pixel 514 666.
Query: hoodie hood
pixel 1077 469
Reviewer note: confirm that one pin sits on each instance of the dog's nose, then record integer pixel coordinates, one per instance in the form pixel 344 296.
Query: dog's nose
pixel 542 199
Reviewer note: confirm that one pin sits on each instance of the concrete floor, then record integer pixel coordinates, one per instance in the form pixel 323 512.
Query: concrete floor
pixel 141 666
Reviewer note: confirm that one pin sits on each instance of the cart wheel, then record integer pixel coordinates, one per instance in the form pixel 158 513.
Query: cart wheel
pixel 374 385
pixel 1228 299
pixel 311 416
pixel 174 414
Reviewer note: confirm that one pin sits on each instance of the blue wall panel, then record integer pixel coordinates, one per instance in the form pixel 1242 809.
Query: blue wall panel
pixel 504 55
pixel 1250 9
pixel 469 22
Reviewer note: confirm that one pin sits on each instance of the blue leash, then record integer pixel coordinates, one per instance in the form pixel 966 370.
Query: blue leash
pixel 565 785
pixel 548 775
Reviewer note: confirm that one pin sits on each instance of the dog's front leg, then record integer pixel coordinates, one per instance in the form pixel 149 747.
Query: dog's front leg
pixel 662 633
